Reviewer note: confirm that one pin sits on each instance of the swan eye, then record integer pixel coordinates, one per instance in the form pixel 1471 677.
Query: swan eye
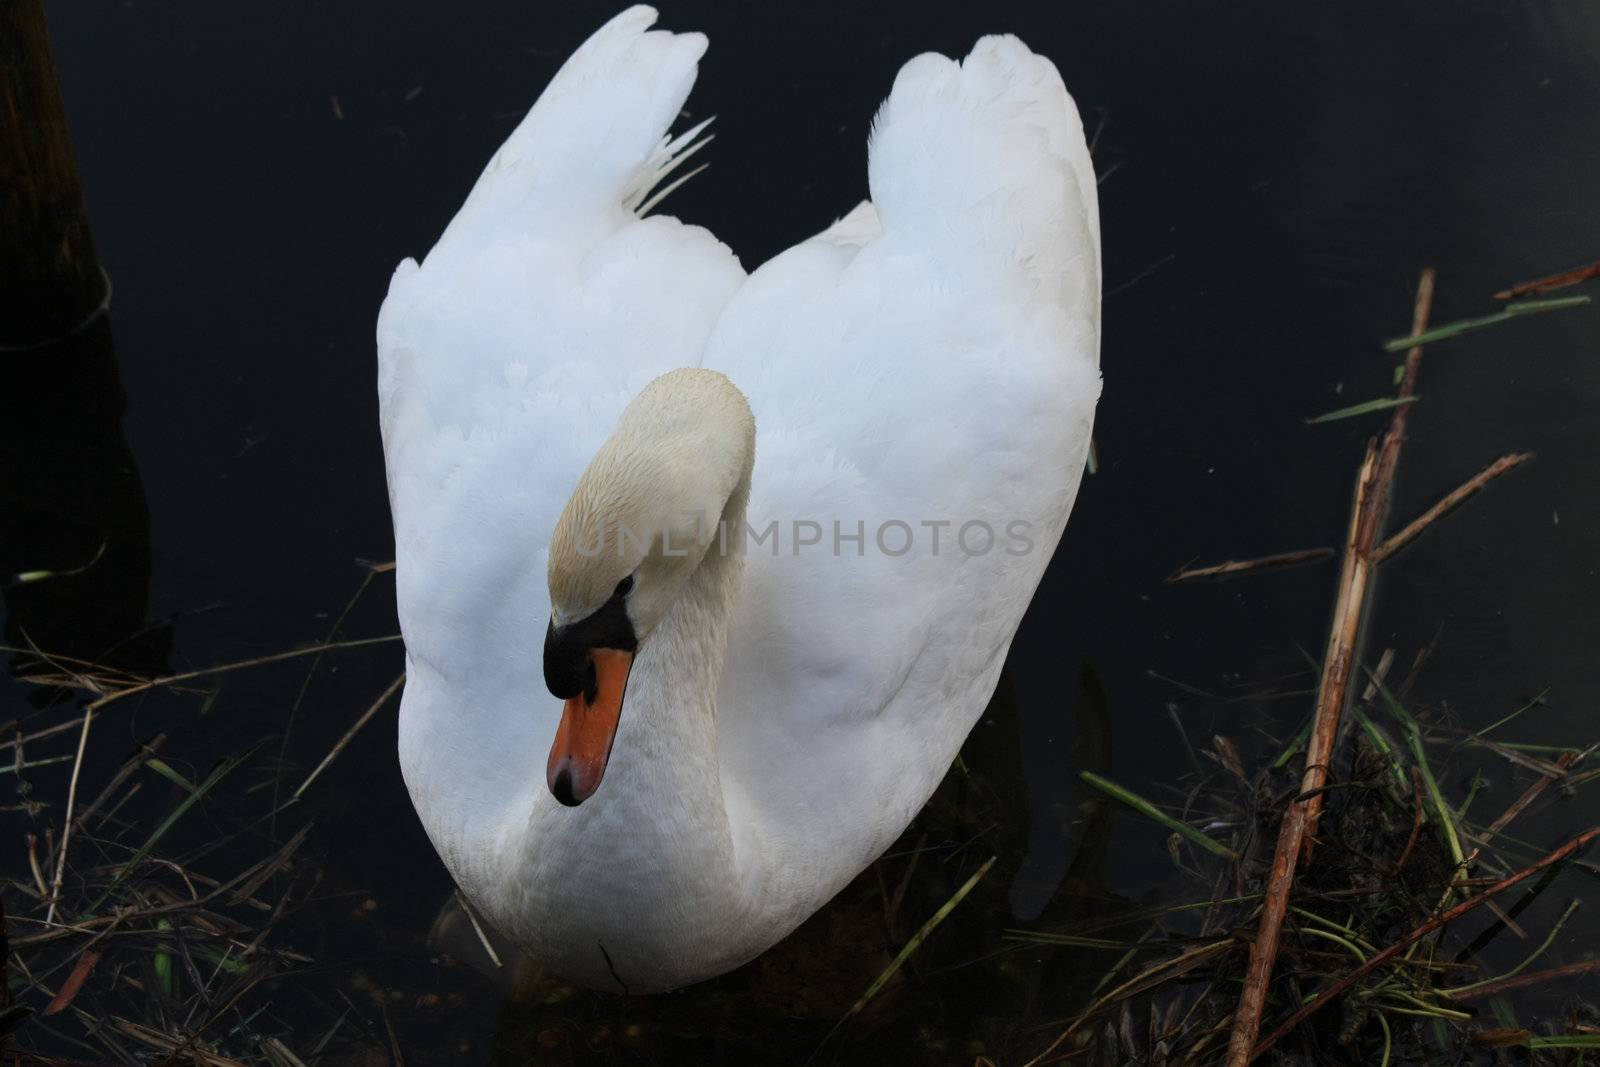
pixel 624 587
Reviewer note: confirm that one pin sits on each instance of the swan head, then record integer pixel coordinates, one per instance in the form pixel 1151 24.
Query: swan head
pixel 638 526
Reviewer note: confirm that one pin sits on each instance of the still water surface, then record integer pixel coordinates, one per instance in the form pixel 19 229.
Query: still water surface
pixel 1274 176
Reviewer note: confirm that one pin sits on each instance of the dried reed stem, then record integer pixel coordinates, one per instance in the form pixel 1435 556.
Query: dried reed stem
pixel 1553 281
pixel 1451 500
pixel 1522 981
pixel 1298 819
pixel 349 735
pixel 1374 486
pixel 66 825
pixel 1564 763
pixel 1241 566
pixel 187 676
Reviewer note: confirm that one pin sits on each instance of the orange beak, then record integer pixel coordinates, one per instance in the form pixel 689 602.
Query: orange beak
pixel 588 728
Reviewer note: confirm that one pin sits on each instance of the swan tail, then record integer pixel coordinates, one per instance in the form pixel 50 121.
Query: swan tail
pixel 594 147
pixel 983 163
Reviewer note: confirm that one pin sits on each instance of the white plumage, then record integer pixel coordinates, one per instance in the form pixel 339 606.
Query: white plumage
pixel 931 357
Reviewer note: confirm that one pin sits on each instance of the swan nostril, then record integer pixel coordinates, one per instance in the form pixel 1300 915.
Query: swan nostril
pixel 561 788
pixel 591 682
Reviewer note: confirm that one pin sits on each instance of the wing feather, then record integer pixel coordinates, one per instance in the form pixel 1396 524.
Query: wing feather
pixel 506 355
pixel 931 358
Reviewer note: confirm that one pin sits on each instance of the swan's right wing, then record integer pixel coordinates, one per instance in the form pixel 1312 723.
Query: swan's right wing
pixel 929 361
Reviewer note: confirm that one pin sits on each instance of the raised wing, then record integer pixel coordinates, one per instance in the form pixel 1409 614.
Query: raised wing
pixel 930 359
pixel 506 356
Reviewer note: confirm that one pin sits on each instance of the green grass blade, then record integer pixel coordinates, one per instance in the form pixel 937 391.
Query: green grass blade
pixel 221 771
pixel 1296 745
pixel 1380 741
pixel 1388 1039
pixel 1383 403
pixel 163 963
pixel 919 937
pixel 1447 819
pixel 1535 702
pixel 1150 811
pixel 1413 732
pixel 1461 326
pixel 12 768
pixel 1397 709
pixel 1565 1041
pixel 1524 746
pixel 166 770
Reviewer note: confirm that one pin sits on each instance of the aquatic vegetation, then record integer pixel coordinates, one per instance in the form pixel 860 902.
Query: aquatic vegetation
pixel 1344 848
pixel 148 930
pixel 1365 933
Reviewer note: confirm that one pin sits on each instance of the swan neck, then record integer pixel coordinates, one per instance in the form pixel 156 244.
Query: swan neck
pixel 693 639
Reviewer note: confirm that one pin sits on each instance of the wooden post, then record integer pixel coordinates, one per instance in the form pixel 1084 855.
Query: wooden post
pixel 50 281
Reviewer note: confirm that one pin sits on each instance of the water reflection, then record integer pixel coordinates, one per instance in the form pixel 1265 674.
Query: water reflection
pixel 74 523
pixel 74 526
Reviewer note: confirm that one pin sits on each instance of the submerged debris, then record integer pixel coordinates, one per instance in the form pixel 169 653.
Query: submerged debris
pixel 1367 951
pixel 1371 863
pixel 157 909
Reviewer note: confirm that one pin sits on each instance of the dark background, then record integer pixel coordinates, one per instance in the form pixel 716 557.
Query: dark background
pixel 1274 177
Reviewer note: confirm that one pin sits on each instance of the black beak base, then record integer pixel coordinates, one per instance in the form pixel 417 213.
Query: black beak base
pixel 567 670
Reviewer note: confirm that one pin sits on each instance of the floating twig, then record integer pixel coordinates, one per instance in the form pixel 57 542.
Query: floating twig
pixel 1240 566
pixel 349 735
pixel 277 657
pixel 1378 674
pixel 186 676
pixel 1514 753
pixel 189 1049
pixel 69 988
pixel 1551 281
pixel 1522 981
pixel 254 879
pixel 1416 821
pixel 1448 503
pixel 66 824
pixel 1564 763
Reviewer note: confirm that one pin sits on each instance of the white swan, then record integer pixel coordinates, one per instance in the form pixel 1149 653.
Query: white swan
pixel 931 358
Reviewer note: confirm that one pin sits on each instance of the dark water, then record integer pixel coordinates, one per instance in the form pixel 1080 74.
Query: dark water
pixel 1275 175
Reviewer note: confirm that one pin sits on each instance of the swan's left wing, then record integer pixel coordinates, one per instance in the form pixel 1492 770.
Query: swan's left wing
pixel 506 356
